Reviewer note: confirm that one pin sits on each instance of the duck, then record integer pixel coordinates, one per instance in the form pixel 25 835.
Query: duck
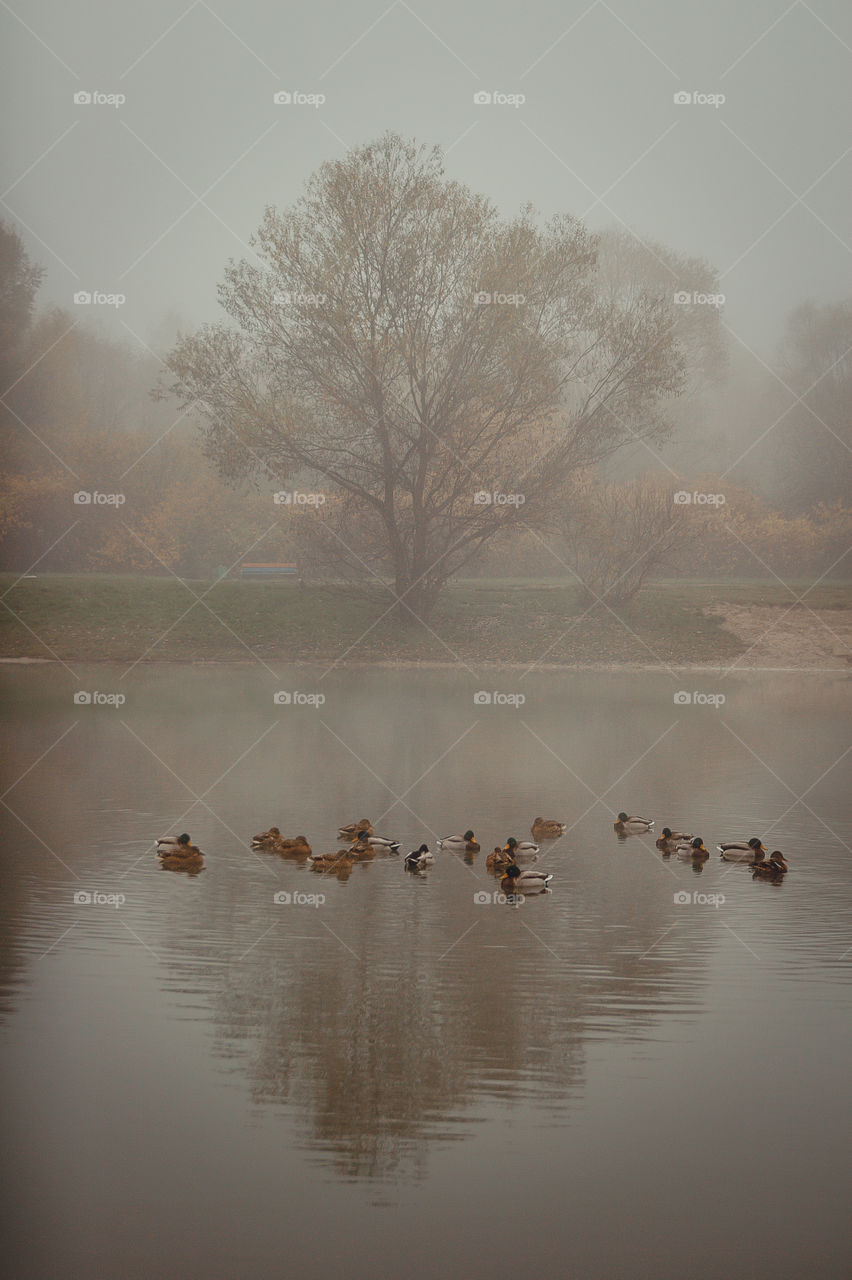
pixel 265 838
pixel 418 858
pixel 774 866
pixel 548 829
pixel 174 844
pixel 182 855
pixel 362 847
pixel 669 838
pixel 521 848
pixel 354 829
pixel 319 859
pixel 298 845
pixel 693 848
pixel 377 842
pixel 528 881
pixel 743 851
pixel 340 860
pixel 632 826
pixel 460 844
pixel 499 859
pixel 180 846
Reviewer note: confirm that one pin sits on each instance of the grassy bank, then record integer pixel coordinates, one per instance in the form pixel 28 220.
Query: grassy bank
pixel 122 618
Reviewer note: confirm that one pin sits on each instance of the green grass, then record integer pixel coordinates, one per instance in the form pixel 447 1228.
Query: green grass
pixel 86 617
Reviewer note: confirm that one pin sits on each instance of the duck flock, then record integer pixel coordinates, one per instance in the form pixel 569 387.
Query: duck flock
pixel 360 843
pixel 752 852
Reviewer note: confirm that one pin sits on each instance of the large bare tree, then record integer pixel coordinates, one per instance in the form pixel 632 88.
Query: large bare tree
pixel 398 339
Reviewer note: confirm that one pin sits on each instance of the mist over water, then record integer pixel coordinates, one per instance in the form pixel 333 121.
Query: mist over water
pixel 199 1052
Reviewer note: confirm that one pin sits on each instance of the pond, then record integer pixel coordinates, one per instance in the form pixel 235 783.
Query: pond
pixel 259 1070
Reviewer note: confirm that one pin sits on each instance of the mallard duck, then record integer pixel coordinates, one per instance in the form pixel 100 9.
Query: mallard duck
pixel 298 846
pixel 774 865
pixel 354 829
pixel 459 844
pixel 341 860
pixel 547 828
pixel 499 859
pixel 692 848
pixel 363 847
pixel 521 848
pixel 750 851
pixel 325 859
pixel 527 881
pixel 670 838
pixel 181 846
pixel 418 858
pixel 632 826
pixel 178 853
pixel 378 842
pixel 265 838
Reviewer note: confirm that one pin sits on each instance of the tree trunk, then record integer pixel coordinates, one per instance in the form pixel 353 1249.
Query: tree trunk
pixel 415 599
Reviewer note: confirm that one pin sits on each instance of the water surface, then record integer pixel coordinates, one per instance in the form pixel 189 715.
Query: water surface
pixel 404 1079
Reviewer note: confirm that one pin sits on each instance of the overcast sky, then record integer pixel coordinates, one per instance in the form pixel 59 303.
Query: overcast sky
pixel 151 197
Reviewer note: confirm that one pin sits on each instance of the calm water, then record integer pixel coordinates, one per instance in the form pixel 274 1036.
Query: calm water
pixel 402 1080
